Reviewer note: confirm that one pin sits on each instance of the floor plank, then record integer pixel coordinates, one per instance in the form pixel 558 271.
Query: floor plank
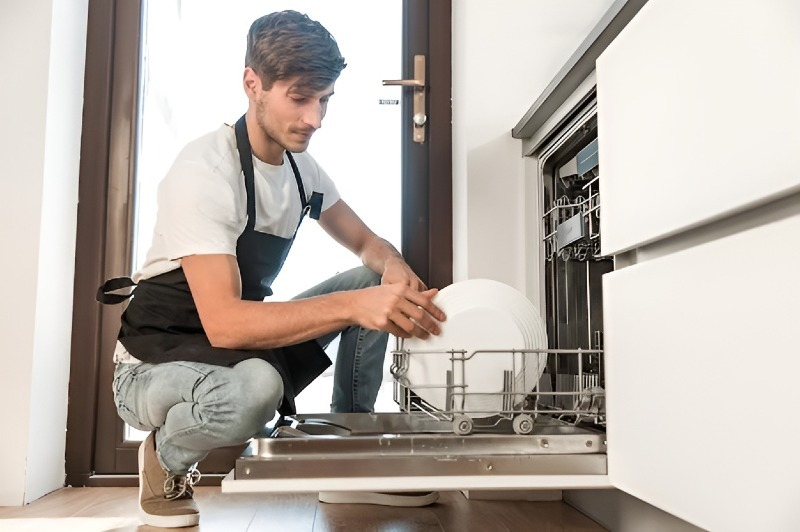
pixel 457 513
pixel 369 518
pixel 116 510
pixel 287 512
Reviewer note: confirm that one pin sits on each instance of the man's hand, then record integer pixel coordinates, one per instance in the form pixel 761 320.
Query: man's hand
pixel 398 309
pixel 396 271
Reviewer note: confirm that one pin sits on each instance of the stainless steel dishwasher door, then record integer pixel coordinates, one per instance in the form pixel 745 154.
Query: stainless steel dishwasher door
pixel 403 451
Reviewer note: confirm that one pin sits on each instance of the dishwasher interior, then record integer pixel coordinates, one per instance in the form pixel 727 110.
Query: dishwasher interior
pixel 557 427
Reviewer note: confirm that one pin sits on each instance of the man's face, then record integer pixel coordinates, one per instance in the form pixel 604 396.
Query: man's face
pixel 289 114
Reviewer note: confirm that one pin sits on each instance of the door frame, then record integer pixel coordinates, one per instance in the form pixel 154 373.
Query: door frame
pixel 96 452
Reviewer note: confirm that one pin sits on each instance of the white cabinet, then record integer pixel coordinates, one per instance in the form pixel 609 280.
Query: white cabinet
pixel 698 106
pixel 702 359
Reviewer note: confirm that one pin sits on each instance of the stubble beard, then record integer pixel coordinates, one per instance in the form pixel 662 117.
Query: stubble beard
pixel 273 136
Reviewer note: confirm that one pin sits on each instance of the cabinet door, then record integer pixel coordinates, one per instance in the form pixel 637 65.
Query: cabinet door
pixel 698 106
pixel 703 358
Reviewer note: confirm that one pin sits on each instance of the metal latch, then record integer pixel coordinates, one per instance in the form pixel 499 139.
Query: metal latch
pixel 418 84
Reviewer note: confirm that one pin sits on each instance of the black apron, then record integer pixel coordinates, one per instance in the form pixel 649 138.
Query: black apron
pixel 161 322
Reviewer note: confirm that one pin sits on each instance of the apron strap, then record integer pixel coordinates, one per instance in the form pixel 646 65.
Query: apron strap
pixel 246 158
pixel 300 188
pixel 105 296
pixel 314 205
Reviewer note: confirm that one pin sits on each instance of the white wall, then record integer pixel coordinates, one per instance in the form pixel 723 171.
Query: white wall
pixel 504 55
pixel 42 49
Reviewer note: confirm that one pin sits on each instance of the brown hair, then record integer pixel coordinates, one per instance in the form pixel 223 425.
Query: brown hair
pixel 286 44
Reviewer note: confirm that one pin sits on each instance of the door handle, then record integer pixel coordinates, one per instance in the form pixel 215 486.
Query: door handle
pixel 418 84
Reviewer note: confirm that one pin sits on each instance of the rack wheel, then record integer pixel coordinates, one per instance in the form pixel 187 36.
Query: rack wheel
pixel 523 424
pixel 462 425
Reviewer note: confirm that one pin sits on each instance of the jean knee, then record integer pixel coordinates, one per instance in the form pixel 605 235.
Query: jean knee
pixel 363 277
pixel 258 394
pixel 124 379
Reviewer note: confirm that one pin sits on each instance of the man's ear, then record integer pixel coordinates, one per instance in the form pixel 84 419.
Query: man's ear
pixel 251 83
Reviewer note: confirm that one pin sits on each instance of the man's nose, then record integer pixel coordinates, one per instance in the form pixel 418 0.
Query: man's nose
pixel 313 115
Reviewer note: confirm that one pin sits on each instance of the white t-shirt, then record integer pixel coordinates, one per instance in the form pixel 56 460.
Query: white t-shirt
pixel 202 202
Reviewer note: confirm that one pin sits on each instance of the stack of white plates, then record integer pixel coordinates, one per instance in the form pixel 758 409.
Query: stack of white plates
pixel 482 314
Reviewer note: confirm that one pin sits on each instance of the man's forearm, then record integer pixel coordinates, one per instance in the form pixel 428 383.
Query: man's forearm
pixel 264 325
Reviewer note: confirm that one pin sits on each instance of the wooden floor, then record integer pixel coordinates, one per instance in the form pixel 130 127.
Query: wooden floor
pixel 115 509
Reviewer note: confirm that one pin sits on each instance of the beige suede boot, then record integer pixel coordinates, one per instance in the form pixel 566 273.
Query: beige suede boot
pixel 165 500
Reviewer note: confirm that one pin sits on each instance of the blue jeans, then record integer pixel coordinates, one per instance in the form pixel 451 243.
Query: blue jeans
pixel 195 407
pixel 358 369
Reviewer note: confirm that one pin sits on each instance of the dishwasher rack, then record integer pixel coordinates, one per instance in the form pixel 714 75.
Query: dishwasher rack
pixel 571 398
pixel 572 226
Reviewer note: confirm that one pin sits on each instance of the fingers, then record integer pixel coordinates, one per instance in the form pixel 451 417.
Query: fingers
pixel 425 301
pixel 419 316
pixel 403 311
pixel 416 314
pixel 408 326
pixel 392 328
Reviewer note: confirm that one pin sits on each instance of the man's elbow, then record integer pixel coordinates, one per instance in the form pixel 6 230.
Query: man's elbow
pixel 218 338
pixel 222 334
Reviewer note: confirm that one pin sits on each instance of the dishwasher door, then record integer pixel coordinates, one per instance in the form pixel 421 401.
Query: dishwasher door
pixel 415 451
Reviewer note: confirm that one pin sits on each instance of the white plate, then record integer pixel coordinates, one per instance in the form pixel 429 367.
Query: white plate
pixel 482 314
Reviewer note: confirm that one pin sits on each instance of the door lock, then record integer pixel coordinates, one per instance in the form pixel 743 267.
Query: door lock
pixel 419 117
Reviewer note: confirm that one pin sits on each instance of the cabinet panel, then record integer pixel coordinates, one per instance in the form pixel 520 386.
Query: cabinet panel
pixel 702 358
pixel 698 108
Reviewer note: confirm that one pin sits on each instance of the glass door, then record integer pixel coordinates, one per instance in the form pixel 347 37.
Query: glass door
pixel 161 73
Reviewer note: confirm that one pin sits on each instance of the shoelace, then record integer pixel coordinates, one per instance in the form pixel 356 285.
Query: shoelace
pixel 177 487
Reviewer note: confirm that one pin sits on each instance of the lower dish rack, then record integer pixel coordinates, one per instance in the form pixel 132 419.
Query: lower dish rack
pixel 572 397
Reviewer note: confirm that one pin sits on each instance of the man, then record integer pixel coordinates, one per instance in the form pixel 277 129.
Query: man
pixel 204 360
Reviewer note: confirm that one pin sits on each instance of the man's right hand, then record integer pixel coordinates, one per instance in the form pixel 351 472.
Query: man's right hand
pixel 398 309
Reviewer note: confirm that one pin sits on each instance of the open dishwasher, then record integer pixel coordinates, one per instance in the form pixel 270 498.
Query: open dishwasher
pixel 553 433
pixel 550 434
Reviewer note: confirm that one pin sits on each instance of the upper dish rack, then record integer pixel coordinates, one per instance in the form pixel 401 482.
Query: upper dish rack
pixel 569 398
pixel 572 226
